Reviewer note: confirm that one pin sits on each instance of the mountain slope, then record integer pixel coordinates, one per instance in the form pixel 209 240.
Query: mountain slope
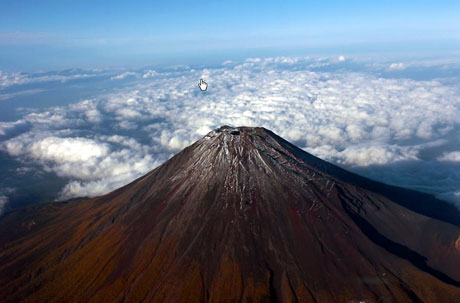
pixel 240 215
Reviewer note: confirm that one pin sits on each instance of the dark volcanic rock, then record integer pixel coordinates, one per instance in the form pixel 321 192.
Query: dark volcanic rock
pixel 239 216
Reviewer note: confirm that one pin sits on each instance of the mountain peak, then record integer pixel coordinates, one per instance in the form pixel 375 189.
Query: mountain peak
pixel 228 134
pixel 249 162
pixel 257 143
pixel 241 215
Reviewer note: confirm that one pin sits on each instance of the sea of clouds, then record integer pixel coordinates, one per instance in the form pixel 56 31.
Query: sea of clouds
pixel 392 128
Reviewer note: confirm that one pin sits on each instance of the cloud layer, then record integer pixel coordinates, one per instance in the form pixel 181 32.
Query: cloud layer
pixel 354 119
pixel 10 79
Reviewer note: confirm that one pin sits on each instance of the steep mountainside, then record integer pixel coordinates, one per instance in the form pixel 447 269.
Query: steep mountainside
pixel 239 216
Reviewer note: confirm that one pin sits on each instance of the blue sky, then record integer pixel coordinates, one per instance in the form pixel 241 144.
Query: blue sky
pixel 371 87
pixel 60 34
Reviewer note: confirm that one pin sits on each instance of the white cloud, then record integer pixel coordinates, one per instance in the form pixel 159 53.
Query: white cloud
pixel 10 79
pixel 352 119
pixel 62 150
pixel 176 140
pixel 111 172
pixel 6 127
pixel 93 116
pixel 365 154
pixel 123 76
pixel 128 113
pixel 14 147
pixel 253 60
pixel 450 157
pixel 375 154
pixel 20 93
pixel 92 164
pixel 397 66
pixel 149 73
pixel 55 117
pixel 341 58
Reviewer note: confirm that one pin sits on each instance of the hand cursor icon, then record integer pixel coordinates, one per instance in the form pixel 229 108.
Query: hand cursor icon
pixel 203 85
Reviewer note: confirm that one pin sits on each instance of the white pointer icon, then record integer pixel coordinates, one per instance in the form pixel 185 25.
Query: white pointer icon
pixel 203 85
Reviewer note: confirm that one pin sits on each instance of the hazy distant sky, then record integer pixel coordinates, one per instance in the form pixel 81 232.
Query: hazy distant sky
pixel 60 34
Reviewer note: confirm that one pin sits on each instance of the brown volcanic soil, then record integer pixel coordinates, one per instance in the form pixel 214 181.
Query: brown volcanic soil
pixel 240 216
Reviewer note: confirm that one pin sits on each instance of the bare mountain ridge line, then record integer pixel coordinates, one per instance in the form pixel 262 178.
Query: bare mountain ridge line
pixel 239 216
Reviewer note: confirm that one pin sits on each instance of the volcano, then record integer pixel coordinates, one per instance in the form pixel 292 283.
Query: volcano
pixel 239 216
